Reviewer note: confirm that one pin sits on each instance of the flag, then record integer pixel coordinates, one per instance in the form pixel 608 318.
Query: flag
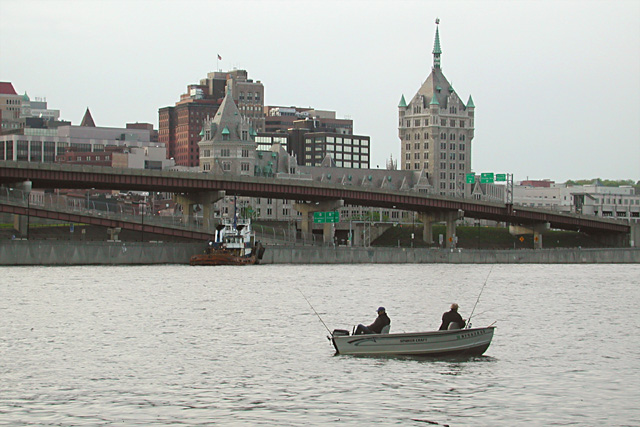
pixel 219 57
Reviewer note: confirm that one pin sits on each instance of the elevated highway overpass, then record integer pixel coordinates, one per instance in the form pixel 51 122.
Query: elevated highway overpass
pixel 430 208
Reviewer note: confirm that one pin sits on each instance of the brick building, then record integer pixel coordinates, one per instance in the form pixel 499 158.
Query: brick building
pixel 180 125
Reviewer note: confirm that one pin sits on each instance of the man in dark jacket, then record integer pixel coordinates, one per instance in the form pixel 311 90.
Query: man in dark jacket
pixel 452 319
pixel 376 327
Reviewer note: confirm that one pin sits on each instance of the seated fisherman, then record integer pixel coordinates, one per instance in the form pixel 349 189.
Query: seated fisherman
pixel 452 319
pixel 376 327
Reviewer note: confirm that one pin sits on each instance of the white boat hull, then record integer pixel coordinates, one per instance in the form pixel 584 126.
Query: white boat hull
pixel 437 343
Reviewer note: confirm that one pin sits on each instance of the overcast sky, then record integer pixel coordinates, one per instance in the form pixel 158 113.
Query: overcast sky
pixel 556 84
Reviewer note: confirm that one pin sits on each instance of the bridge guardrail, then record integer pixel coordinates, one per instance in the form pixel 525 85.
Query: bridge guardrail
pixel 116 212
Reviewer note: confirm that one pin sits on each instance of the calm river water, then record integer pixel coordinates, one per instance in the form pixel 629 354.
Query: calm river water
pixel 179 345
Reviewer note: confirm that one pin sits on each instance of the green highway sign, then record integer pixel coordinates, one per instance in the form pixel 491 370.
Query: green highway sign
pixel 486 177
pixel 471 178
pixel 326 217
pixel 501 177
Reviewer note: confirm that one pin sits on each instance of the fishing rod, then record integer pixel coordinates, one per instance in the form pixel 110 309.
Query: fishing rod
pixel 314 310
pixel 478 299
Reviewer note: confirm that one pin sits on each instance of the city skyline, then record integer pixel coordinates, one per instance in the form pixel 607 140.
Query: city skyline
pixel 555 83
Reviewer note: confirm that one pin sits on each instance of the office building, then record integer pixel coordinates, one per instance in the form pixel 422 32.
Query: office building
pixel 10 107
pixel 180 125
pixel 436 129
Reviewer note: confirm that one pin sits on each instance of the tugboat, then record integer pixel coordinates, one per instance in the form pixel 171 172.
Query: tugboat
pixel 234 244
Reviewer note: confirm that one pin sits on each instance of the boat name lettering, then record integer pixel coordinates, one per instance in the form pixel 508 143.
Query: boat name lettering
pixel 414 340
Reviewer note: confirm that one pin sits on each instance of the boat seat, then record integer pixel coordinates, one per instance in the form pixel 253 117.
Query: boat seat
pixel 386 329
pixel 453 325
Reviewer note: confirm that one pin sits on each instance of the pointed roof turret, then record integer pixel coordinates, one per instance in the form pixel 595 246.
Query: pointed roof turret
pixel 470 103
pixel 87 120
pixel 25 97
pixel 437 51
pixel 434 100
pixel 403 103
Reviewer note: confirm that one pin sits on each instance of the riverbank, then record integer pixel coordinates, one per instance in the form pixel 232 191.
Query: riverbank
pixel 52 252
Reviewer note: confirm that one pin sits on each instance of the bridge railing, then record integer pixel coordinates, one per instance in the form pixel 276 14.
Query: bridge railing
pixel 119 212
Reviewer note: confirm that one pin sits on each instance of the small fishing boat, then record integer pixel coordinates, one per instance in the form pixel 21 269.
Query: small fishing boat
pixel 234 244
pixel 471 342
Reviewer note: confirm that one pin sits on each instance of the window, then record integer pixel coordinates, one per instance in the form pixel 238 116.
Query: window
pixel 452 156
pixel 407 156
pixel 426 145
pixel 408 147
pixel 426 165
pixel 416 122
pixel 407 166
pixel 245 152
pixel 417 166
pixel 225 152
pixel 226 166
pixel 244 167
pixel 416 155
pixel 416 146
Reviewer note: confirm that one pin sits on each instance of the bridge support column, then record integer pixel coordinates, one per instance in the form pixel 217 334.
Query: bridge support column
pixel 187 201
pixel 536 229
pixel 634 236
pixel 450 218
pixel 307 209
pixel 427 220
pixel 451 238
pixel 21 222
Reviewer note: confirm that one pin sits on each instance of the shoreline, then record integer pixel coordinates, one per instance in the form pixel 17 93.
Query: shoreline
pixel 58 253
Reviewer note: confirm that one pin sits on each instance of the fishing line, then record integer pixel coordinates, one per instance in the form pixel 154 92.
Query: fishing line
pixel 478 299
pixel 314 310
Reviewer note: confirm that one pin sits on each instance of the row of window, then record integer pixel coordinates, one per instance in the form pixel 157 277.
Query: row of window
pixel 610 201
pixel 443 122
pixel 249 95
pixel 340 141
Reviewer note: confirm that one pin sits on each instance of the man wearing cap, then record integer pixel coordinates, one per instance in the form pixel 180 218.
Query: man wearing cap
pixel 376 327
pixel 452 319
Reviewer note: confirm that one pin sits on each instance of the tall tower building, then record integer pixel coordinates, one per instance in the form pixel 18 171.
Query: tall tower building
pixel 436 129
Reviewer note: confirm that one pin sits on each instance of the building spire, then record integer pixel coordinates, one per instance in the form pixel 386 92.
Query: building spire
pixel 436 47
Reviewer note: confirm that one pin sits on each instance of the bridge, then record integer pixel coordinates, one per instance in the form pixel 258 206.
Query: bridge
pixel 194 186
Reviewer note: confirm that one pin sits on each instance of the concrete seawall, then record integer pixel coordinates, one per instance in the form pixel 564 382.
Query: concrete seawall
pixel 58 252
